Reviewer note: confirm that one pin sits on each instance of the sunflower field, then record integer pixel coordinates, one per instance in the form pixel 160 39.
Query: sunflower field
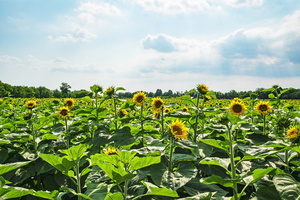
pixel 102 147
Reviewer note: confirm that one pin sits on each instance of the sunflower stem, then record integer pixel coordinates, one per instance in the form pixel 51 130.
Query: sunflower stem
pixel 171 154
pixel 232 164
pixel 67 133
pixel 264 128
pixel 197 115
pixel 162 122
pixel 78 180
pixel 116 116
pixel 286 160
pixel 142 122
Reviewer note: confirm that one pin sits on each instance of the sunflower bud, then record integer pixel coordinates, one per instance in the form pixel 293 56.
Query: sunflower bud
pixel 203 89
pixel 110 91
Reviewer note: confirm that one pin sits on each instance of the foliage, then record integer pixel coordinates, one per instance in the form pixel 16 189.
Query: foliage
pixel 102 152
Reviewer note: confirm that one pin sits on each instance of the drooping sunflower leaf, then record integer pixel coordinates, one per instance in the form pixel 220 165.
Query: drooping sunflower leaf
pixel 287 186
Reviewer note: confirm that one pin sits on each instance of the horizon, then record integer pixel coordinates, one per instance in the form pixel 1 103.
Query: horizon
pixel 144 45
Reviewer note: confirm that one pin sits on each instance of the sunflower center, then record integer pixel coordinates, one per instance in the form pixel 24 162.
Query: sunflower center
pixel 177 130
pixel 64 112
pixel 69 103
pixel 158 104
pixel 30 105
pixel 237 108
pixel 112 153
pixel 263 107
pixel 140 99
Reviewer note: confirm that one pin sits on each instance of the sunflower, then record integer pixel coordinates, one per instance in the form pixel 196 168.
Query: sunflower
pixel 178 129
pixel 139 98
pixel 157 103
pixel 167 110
pixel 30 104
pixel 64 112
pixel 237 100
pixel 237 108
pixel 123 112
pixel 263 107
pixel 69 103
pixel 110 91
pixel 293 133
pixel 156 115
pixel 185 109
pixel 207 97
pixel 203 89
pixel 111 151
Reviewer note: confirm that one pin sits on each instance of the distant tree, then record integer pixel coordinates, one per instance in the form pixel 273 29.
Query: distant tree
pixel 56 93
pixel 81 93
pixel 150 94
pixel 29 92
pixel 158 93
pixel 65 89
pixel 44 92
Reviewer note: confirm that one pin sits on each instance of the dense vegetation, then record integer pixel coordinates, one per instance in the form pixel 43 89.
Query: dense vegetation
pixel 64 91
pixel 194 146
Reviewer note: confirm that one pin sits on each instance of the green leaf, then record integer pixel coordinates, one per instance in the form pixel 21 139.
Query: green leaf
pixel 3 141
pixel 47 195
pixel 75 152
pixel 219 180
pixel 256 152
pixel 86 99
pixel 4 168
pixel 154 190
pixel 114 196
pixel 233 118
pixel 123 137
pixel 126 156
pixel 8 126
pixel 183 157
pixel 200 196
pixel 187 144
pixel 60 163
pixel 269 90
pixel 222 162
pixel 266 193
pixel 287 186
pixel 96 191
pixel 138 163
pixel 256 175
pixel 16 192
pixel 173 180
pixel 99 158
pixel 271 96
pixel 96 88
pixel 119 175
pixel 120 88
pixel 49 137
pixel 211 94
pixel 74 192
pixel 185 97
pixel 150 150
pixel 218 144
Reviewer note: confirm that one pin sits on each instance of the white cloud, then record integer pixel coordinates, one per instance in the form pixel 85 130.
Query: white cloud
pixel 244 3
pixel 263 51
pixel 85 25
pixel 174 6
pixel 9 59
pixel 99 8
pixel 78 34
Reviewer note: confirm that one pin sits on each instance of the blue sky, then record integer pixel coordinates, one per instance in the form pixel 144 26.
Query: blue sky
pixel 150 44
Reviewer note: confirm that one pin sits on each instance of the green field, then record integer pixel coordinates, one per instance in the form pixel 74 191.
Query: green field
pixel 188 147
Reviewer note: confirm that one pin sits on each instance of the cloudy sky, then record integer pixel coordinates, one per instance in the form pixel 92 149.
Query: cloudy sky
pixel 150 44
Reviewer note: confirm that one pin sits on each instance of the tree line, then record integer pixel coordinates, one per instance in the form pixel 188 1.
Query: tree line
pixel 6 90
